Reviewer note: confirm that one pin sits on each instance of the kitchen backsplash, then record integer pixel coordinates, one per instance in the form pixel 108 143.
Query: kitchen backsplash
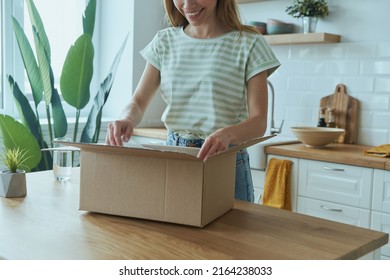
pixel 308 72
pixel 311 71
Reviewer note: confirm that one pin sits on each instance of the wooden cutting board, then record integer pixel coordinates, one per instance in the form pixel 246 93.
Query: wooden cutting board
pixel 345 112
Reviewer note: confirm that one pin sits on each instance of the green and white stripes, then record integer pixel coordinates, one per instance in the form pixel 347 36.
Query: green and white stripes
pixel 203 81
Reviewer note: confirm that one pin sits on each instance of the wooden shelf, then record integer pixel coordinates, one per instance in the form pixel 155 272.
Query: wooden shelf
pixel 302 38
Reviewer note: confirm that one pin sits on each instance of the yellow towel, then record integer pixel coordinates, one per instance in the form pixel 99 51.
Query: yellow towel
pixel 379 151
pixel 277 191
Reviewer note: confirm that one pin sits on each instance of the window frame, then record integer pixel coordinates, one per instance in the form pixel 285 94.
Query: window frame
pixel 12 63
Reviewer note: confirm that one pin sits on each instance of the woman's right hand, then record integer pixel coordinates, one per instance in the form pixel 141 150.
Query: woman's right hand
pixel 119 131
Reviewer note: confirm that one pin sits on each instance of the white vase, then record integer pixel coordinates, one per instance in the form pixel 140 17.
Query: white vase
pixel 13 184
pixel 309 24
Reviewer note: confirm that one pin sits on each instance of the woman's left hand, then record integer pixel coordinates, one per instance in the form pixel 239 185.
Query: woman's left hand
pixel 215 143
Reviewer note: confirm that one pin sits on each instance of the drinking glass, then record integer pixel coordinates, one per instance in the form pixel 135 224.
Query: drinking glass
pixel 62 162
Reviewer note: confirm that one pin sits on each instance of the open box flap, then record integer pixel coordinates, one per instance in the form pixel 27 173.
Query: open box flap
pixel 243 145
pixel 138 150
pixel 167 151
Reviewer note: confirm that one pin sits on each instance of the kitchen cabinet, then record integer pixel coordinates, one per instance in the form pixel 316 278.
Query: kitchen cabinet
pixel 340 183
pixel 258 178
pixel 336 192
pixel 381 206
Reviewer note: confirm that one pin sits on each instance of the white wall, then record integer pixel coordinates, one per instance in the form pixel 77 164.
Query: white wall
pixel 309 72
pixel 141 20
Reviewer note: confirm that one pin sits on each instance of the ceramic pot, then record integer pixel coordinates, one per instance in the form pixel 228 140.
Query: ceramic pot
pixel 13 184
pixel 309 24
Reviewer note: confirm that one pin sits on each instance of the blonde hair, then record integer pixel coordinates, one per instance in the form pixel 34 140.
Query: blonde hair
pixel 227 14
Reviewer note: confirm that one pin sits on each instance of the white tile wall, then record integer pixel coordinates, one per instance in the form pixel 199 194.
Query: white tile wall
pixel 309 72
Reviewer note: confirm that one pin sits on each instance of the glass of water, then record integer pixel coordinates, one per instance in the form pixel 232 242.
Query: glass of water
pixel 62 162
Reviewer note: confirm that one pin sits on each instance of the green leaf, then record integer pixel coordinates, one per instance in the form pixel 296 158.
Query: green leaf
pixel 26 113
pixel 15 135
pixel 60 122
pixel 30 64
pixel 77 72
pixel 89 17
pixel 91 130
pixel 44 67
pixel 37 24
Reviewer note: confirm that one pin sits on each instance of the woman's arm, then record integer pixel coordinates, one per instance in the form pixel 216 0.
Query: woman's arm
pixel 133 112
pixel 255 126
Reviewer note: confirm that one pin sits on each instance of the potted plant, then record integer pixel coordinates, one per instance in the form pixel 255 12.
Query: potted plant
pixel 310 11
pixel 21 154
pixel 13 179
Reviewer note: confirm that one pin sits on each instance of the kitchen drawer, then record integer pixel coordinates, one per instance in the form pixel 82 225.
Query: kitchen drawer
pixel 335 212
pixel 339 183
pixel 381 222
pixel 381 191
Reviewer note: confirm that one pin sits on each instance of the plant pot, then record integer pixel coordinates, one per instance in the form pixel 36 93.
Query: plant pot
pixel 13 184
pixel 309 24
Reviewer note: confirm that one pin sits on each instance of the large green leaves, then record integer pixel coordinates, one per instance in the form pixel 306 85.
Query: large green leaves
pixel 77 72
pixel 29 61
pixel 15 134
pixel 92 127
pixel 89 17
pixel 37 24
pixel 25 112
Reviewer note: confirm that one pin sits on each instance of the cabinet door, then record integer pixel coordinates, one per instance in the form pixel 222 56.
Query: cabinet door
pixel 334 212
pixel 258 177
pixel 345 184
pixel 381 191
pixel 381 222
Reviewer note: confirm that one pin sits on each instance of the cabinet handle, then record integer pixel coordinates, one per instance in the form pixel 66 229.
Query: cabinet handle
pixel 331 209
pixel 333 169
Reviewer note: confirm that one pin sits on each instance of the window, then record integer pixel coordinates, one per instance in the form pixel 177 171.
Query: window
pixel 62 20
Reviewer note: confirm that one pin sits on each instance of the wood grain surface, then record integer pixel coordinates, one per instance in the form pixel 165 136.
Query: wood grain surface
pixel 351 154
pixel 345 112
pixel 47 224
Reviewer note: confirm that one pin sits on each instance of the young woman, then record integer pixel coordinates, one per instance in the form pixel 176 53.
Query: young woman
pixel 212 73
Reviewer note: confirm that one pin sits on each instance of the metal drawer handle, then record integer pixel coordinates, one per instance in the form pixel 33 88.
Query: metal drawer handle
pixel 333 169
pixel 331 209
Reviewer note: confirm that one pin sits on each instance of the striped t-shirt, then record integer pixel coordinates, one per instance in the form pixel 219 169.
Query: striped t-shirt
pixel 203 81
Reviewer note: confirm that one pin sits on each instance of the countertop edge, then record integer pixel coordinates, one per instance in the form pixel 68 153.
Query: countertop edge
pixel 351 154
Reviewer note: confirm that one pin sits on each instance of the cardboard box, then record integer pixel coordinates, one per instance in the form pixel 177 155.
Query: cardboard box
pixel 157 182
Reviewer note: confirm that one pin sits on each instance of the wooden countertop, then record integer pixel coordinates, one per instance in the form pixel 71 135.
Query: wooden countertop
pixel 338 153
pixel 47 224
pixel 159 133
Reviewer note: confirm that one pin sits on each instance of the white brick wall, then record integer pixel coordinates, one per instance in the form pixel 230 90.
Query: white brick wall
pixel 309 72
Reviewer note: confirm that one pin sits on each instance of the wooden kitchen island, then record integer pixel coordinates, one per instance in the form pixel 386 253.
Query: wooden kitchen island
pixel 47 224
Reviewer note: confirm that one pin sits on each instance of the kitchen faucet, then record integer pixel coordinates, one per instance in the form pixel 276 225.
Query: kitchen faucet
pixel 273 129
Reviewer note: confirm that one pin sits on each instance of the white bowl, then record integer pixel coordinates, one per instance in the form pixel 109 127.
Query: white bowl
pixel 317 136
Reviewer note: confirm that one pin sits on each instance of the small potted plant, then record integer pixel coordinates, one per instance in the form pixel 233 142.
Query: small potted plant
pixel 310 11
pixel 13 179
